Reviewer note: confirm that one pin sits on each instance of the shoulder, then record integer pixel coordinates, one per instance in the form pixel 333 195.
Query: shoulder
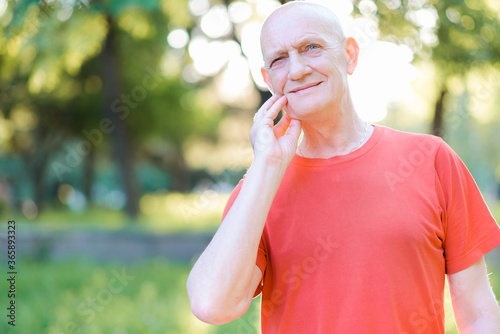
pixel 402 141
pixel 420 150
pixel 409 136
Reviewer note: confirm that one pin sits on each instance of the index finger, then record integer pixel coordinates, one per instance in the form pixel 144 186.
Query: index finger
pixel 265 106
pixel 273 111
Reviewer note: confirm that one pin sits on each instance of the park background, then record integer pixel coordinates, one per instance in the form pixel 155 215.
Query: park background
pixel 124 127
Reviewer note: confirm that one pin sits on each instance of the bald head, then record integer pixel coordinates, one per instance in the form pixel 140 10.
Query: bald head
pixel 299 14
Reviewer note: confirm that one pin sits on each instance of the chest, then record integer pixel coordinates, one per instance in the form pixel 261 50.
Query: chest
pixel 354 217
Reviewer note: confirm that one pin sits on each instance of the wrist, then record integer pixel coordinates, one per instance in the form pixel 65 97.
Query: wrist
pixel 269 164
pixel 271 171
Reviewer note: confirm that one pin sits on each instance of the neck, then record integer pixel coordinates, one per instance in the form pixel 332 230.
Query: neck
pixel 330 136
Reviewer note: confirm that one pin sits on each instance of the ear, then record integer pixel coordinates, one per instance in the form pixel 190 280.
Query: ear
pixel 352 49
pixel 266 78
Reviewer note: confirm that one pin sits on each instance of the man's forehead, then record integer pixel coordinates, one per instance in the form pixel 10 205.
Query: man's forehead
pixel 277 46
pixel 290 22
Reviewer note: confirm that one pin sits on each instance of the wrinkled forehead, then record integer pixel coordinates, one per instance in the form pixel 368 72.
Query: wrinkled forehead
pixel 290 22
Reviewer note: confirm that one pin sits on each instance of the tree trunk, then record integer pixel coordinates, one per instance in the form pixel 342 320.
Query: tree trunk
pixel 180 173
pixel 437 124
pixel 120 136
pixel 38 168
pixel 88 174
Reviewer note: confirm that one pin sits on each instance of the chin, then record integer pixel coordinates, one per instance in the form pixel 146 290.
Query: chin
pixel 290 110
pixel 299 110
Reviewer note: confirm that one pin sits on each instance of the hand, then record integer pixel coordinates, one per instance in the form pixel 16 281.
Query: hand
pixel 274 144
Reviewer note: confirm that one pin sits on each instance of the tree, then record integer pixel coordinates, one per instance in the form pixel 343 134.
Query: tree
pixel 85 64
pixel 455 36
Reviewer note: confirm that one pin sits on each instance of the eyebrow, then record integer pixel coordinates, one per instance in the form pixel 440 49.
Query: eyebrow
pixel 301 41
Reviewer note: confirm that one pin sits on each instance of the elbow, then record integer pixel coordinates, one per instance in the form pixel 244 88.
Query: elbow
pixel 212 309
pixel 208 315
pixel 216 315
pixel 202 314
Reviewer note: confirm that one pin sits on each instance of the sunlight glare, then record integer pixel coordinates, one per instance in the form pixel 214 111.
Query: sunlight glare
pixel 250 44
pixel 235 80
pixel 383 75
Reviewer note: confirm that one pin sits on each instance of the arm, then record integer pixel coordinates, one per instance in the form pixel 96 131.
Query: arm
pixel 223 280
pixel 474 305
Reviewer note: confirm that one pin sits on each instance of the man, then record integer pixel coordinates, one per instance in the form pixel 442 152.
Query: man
pixel 354 229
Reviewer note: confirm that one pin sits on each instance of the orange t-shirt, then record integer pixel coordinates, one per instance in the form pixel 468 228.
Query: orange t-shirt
pixel 361 243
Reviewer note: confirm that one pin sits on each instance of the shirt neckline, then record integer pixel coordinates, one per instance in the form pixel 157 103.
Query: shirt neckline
pixel 378 131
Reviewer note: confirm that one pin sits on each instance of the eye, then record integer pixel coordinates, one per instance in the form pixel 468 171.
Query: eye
pixel 276 61
pixel 312 47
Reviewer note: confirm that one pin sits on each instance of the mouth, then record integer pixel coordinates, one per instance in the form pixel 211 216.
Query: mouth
pixel 305 87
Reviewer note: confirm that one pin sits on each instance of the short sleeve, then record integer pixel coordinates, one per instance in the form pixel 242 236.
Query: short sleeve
pixel 470 229
pixel 261 260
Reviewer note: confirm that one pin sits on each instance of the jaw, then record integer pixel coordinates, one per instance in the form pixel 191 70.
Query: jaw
pixel 300 109
pixel 314 108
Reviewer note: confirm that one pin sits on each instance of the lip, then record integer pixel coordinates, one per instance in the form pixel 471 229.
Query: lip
pixel 304 87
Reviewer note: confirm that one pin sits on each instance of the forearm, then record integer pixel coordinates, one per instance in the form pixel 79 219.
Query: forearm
pixel 221 277
pixel 487 321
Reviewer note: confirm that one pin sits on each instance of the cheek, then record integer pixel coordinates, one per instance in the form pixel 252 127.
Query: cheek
pixel 278 83
pixel 296 106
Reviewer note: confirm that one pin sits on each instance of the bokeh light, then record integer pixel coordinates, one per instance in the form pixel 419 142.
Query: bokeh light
pixel 3 6
pixel 65 13
pixel 29 209
pixel 264 8
pixel 216 22
pixel 210 56
pixel 198 7
pixel 115 200
pixel 77 202
pixel 6 129
pixel 239 11
pixel 178 38
pixel 65 193
pixel 236 81
pixel 23 119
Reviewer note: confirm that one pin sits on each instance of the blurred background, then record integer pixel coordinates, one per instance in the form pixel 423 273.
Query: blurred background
pixel 124 127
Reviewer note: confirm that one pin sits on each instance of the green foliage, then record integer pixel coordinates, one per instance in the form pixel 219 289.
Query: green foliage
pixel 464 29
pixel 52 67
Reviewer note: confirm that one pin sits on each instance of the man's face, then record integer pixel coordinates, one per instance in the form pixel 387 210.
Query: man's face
pixel 305 60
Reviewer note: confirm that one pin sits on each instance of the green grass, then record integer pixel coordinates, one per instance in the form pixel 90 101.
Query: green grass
pixel 57 297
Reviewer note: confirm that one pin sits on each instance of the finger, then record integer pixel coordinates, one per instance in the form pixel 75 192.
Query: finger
pixel 275 109
pixel 281 127
pixel 294 129
pixel 262 110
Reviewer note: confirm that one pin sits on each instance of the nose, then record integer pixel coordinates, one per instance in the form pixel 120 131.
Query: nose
pixel 297 68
